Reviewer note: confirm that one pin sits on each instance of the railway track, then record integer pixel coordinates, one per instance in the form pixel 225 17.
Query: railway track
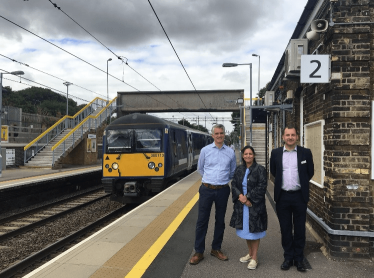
pixel 31 236
pixel 20 223
pixel 37 258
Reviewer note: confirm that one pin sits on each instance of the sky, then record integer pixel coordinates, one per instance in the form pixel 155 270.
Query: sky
pixel 204 33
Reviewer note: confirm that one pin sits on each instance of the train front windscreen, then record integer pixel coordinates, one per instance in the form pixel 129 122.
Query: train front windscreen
pixel 133 141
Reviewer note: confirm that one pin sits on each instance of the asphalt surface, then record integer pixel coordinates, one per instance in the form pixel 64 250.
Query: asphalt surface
pixel 173 260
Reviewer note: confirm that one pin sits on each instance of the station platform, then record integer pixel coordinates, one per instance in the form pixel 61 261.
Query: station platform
pixel 13 177
pixel 156 239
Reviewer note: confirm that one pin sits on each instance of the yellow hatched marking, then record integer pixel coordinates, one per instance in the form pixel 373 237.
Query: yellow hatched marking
pixel 142 265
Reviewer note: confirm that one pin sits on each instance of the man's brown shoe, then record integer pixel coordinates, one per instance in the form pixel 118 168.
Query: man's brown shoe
pixel 218 254
pixel 196 258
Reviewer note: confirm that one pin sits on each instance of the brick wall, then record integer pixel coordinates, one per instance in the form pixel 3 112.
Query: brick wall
pixel 346 200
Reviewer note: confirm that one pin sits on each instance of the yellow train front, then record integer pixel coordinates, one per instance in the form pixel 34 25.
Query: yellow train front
pixel 143 154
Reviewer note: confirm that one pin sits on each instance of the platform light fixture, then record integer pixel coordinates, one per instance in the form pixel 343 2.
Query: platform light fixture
pixel 67 84
pixel 259 63
pixel 229 65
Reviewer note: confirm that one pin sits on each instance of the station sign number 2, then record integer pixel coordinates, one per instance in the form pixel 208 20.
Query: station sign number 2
pixel 315 69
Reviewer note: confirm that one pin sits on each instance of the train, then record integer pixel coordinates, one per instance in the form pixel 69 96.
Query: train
pixel 143 155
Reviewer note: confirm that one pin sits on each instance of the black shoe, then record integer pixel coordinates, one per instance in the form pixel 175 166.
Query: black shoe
pixel 300 266
pixel 286 265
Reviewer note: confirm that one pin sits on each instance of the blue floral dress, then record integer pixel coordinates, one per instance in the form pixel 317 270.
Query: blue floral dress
pixel 245 234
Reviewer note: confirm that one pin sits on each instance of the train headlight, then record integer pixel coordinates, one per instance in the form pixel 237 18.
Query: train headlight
pixel 115 166
pixel 107 166
pixel 151 165
pixel 160 165
pixel 156 169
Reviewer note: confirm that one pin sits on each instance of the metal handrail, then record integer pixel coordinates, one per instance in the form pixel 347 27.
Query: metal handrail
pixel 91 122
pixel 66 122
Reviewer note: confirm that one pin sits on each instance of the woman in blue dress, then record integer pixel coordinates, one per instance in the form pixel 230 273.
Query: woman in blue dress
pixel 248 194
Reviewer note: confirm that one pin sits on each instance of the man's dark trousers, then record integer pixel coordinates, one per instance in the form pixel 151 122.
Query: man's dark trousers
pixel 291 211
pixel 206 199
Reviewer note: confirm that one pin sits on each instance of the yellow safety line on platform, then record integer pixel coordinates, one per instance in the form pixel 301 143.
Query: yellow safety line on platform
pixel 143 264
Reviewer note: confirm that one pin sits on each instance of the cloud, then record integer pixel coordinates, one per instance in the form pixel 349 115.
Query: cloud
pixel 205 34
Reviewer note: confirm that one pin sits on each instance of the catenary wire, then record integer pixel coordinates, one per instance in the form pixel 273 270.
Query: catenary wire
pixel 92 64
pixel 67 52
pixel 176 53
pixel 52 89
pixel 21 63
pixel 119 57
pixel 78 57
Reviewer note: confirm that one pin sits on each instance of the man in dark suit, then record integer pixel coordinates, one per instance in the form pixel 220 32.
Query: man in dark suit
pixel 292 167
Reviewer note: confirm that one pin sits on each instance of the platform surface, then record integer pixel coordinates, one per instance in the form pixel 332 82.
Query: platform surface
pixel 157 238
pixel 19 176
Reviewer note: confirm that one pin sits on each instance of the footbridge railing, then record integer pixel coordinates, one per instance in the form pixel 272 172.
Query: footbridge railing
pixel 67 122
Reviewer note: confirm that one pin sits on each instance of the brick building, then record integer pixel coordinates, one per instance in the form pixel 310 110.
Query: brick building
pixel 336 121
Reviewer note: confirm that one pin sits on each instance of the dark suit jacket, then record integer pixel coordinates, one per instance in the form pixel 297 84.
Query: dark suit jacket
pixel 305 167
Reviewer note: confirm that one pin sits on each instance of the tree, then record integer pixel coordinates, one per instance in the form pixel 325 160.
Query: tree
pixel 235 120
pixel 194 126
pixel 30 99
pixel 263 91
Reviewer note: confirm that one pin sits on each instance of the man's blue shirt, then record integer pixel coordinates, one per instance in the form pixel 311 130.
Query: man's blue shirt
pixel 216 166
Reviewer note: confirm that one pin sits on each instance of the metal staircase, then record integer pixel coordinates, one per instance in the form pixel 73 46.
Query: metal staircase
pixel 60 139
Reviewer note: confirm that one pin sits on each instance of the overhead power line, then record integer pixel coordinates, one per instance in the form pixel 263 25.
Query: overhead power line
pixel 119 57
pixel 13 60
pixel 52 89
pixel 67 52
pixel 81 59
pixel 176 53
pixel 171 44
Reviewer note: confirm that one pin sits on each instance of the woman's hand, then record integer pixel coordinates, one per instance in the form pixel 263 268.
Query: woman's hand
pixel 242 199
pixel 248 203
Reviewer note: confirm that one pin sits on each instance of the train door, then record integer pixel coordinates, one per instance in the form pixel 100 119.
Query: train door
pixel 189 150
pixel 173 151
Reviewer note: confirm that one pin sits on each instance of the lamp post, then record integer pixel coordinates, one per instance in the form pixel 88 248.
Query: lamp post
pixel 255 55
pixel 1 109
pixel 67 96
pixel 228 65
pixel 107 89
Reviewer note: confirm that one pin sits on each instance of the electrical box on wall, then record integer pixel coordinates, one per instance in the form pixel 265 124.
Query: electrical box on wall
pixel 294 50
pixel 269 98
pixel 289 94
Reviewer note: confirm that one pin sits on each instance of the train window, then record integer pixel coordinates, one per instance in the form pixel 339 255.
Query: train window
pixel 119 141
pixel 148 140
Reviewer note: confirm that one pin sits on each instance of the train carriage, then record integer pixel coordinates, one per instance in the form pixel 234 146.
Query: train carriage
pixel 143 154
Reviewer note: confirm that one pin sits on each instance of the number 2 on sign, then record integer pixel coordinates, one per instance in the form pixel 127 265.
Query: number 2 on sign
pixel 317 69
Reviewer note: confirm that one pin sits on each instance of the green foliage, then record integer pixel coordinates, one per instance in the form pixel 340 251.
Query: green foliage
pixel 263 91
pixel 235 120
pixel 194 126
pixel 37 100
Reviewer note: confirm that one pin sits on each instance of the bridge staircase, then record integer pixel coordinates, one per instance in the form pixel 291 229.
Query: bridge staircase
pixel 258 138
pixel 48 149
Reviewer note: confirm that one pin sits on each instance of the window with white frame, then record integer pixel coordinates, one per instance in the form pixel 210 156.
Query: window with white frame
pixel 314 141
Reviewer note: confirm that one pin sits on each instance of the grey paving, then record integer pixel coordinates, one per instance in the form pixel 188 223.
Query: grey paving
pixel 270 256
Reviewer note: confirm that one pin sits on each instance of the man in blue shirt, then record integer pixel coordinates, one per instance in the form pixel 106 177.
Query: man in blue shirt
pixel 216 165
